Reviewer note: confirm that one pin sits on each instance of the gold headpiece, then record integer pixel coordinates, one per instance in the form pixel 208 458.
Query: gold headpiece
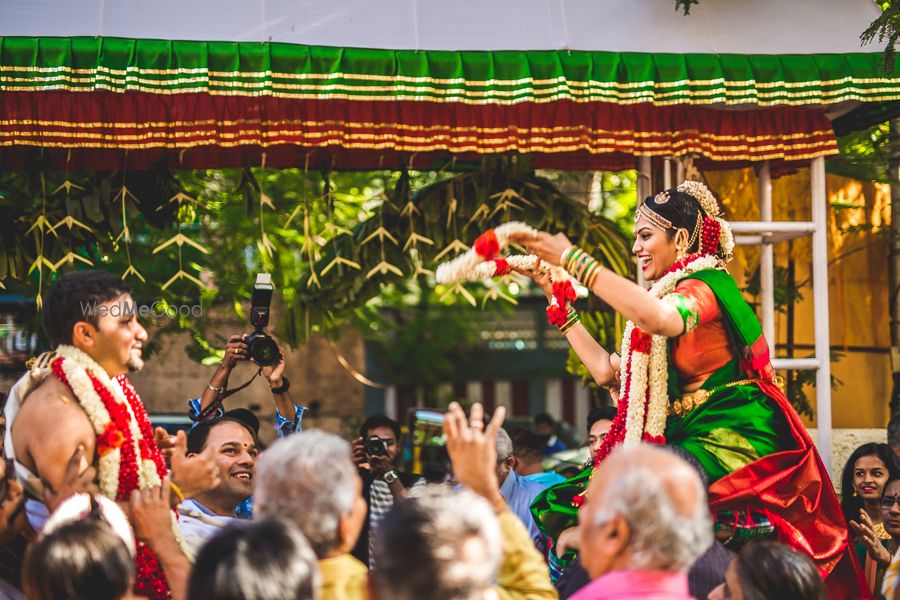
pixel 653 217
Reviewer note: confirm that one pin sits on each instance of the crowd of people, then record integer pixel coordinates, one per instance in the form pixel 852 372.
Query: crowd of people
pixel 700 483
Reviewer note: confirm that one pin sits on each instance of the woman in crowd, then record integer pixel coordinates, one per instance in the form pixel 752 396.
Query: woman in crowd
pixel 694 371
pixel 878 547
pixel 765 570
pixel 863 481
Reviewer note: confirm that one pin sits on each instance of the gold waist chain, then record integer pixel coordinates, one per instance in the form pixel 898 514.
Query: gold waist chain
pixel 689 402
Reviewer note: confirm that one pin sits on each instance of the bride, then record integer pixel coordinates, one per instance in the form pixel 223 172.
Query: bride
pixel 694 372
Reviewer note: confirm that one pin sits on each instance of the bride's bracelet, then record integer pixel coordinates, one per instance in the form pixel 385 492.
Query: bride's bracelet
pixel 571 319
pixel 581 265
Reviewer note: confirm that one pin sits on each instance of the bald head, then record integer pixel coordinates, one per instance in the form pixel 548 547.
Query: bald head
pixel 646 509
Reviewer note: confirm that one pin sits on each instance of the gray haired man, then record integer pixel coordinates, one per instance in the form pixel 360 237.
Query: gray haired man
pixel 309 479
pixel 644 523
pixel 467 545
pixel 518 491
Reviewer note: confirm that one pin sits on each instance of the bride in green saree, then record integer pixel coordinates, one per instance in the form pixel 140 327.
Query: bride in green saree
pixel 694 371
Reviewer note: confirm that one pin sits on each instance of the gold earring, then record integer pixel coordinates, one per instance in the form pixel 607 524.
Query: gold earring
pixel 680 250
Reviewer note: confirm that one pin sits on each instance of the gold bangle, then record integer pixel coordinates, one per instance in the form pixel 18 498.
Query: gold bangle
pixel 569 325
pixel 589 283
pixel 574 255
pixel 589 273
pixel 178 493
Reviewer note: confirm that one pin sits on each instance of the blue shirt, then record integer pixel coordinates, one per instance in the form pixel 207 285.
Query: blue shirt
pixel 283 425
pixel 519 493
pixel 547 478
pixel 554 445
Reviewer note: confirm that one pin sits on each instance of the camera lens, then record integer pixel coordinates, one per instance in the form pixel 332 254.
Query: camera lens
pixel 264 351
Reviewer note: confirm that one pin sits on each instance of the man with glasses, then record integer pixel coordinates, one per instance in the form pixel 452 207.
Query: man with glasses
pixel 879 567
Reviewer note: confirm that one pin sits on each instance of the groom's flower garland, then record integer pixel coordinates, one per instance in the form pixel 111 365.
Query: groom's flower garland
pixel 128 459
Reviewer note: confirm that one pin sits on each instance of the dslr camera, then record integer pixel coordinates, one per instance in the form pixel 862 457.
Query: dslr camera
pixel 261 348
pixel 375 446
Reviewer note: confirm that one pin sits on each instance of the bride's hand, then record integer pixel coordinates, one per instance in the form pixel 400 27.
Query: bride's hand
pixel 542 280
pixel 548 248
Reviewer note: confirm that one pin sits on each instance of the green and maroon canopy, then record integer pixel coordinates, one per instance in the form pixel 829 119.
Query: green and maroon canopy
pixel 218 83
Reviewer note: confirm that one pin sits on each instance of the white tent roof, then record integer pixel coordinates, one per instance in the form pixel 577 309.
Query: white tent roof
pixel 713 27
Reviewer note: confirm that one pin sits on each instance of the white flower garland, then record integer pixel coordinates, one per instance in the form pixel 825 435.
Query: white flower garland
pixel 647 375
pixel 470 266
pixel 76 365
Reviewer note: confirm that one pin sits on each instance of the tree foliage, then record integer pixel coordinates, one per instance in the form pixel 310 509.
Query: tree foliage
pixel 345 249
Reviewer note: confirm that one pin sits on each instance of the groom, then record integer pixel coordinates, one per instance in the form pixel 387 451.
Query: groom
pixel 90 318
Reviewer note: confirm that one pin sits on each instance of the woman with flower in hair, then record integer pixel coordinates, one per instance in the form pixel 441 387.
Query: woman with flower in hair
pixel 694 371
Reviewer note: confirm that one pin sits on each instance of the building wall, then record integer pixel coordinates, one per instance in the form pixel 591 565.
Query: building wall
pixel 857 275
pixel 317 380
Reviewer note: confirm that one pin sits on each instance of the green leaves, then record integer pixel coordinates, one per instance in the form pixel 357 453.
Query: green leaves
pixel 886 28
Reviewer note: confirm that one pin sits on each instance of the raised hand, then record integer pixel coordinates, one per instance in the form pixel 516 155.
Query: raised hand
pixel 235 351
pixel 274 373
pixel 548 248
pixel 542 280
pixel 472 448
pixel 165 443
pixel 866 530
pixel 79 478
pixel 194 474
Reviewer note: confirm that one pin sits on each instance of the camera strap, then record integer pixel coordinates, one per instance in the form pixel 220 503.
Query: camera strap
pixel 215 404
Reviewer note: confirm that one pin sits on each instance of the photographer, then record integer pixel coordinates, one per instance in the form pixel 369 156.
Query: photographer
pixel 375 454
pixel 262 350
pixel 288 416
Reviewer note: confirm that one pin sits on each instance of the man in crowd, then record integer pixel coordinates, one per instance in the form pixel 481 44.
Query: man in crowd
pixel 546 427
pixel 375 453
pixel 91 320
pixel 450 545
pixel 288 415
pixel 518 491
pixel 644 523
pixel 527 450
pixel 599 421
pixel 310 480
pixel 232 442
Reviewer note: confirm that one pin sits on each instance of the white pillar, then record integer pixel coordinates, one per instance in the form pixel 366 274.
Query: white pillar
pixel 645 188
pixel 582 406
pixel 767 260
pixel 820 302
pixel 474 392
pixel 503 394
pixel 390 402
pixel 553 405
pixel 667 173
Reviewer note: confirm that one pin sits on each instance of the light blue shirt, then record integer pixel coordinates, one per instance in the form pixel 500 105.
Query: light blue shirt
pixel 519 493
pixel 546 478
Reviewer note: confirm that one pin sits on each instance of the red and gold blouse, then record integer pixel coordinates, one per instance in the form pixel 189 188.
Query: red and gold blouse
pixel 704 346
